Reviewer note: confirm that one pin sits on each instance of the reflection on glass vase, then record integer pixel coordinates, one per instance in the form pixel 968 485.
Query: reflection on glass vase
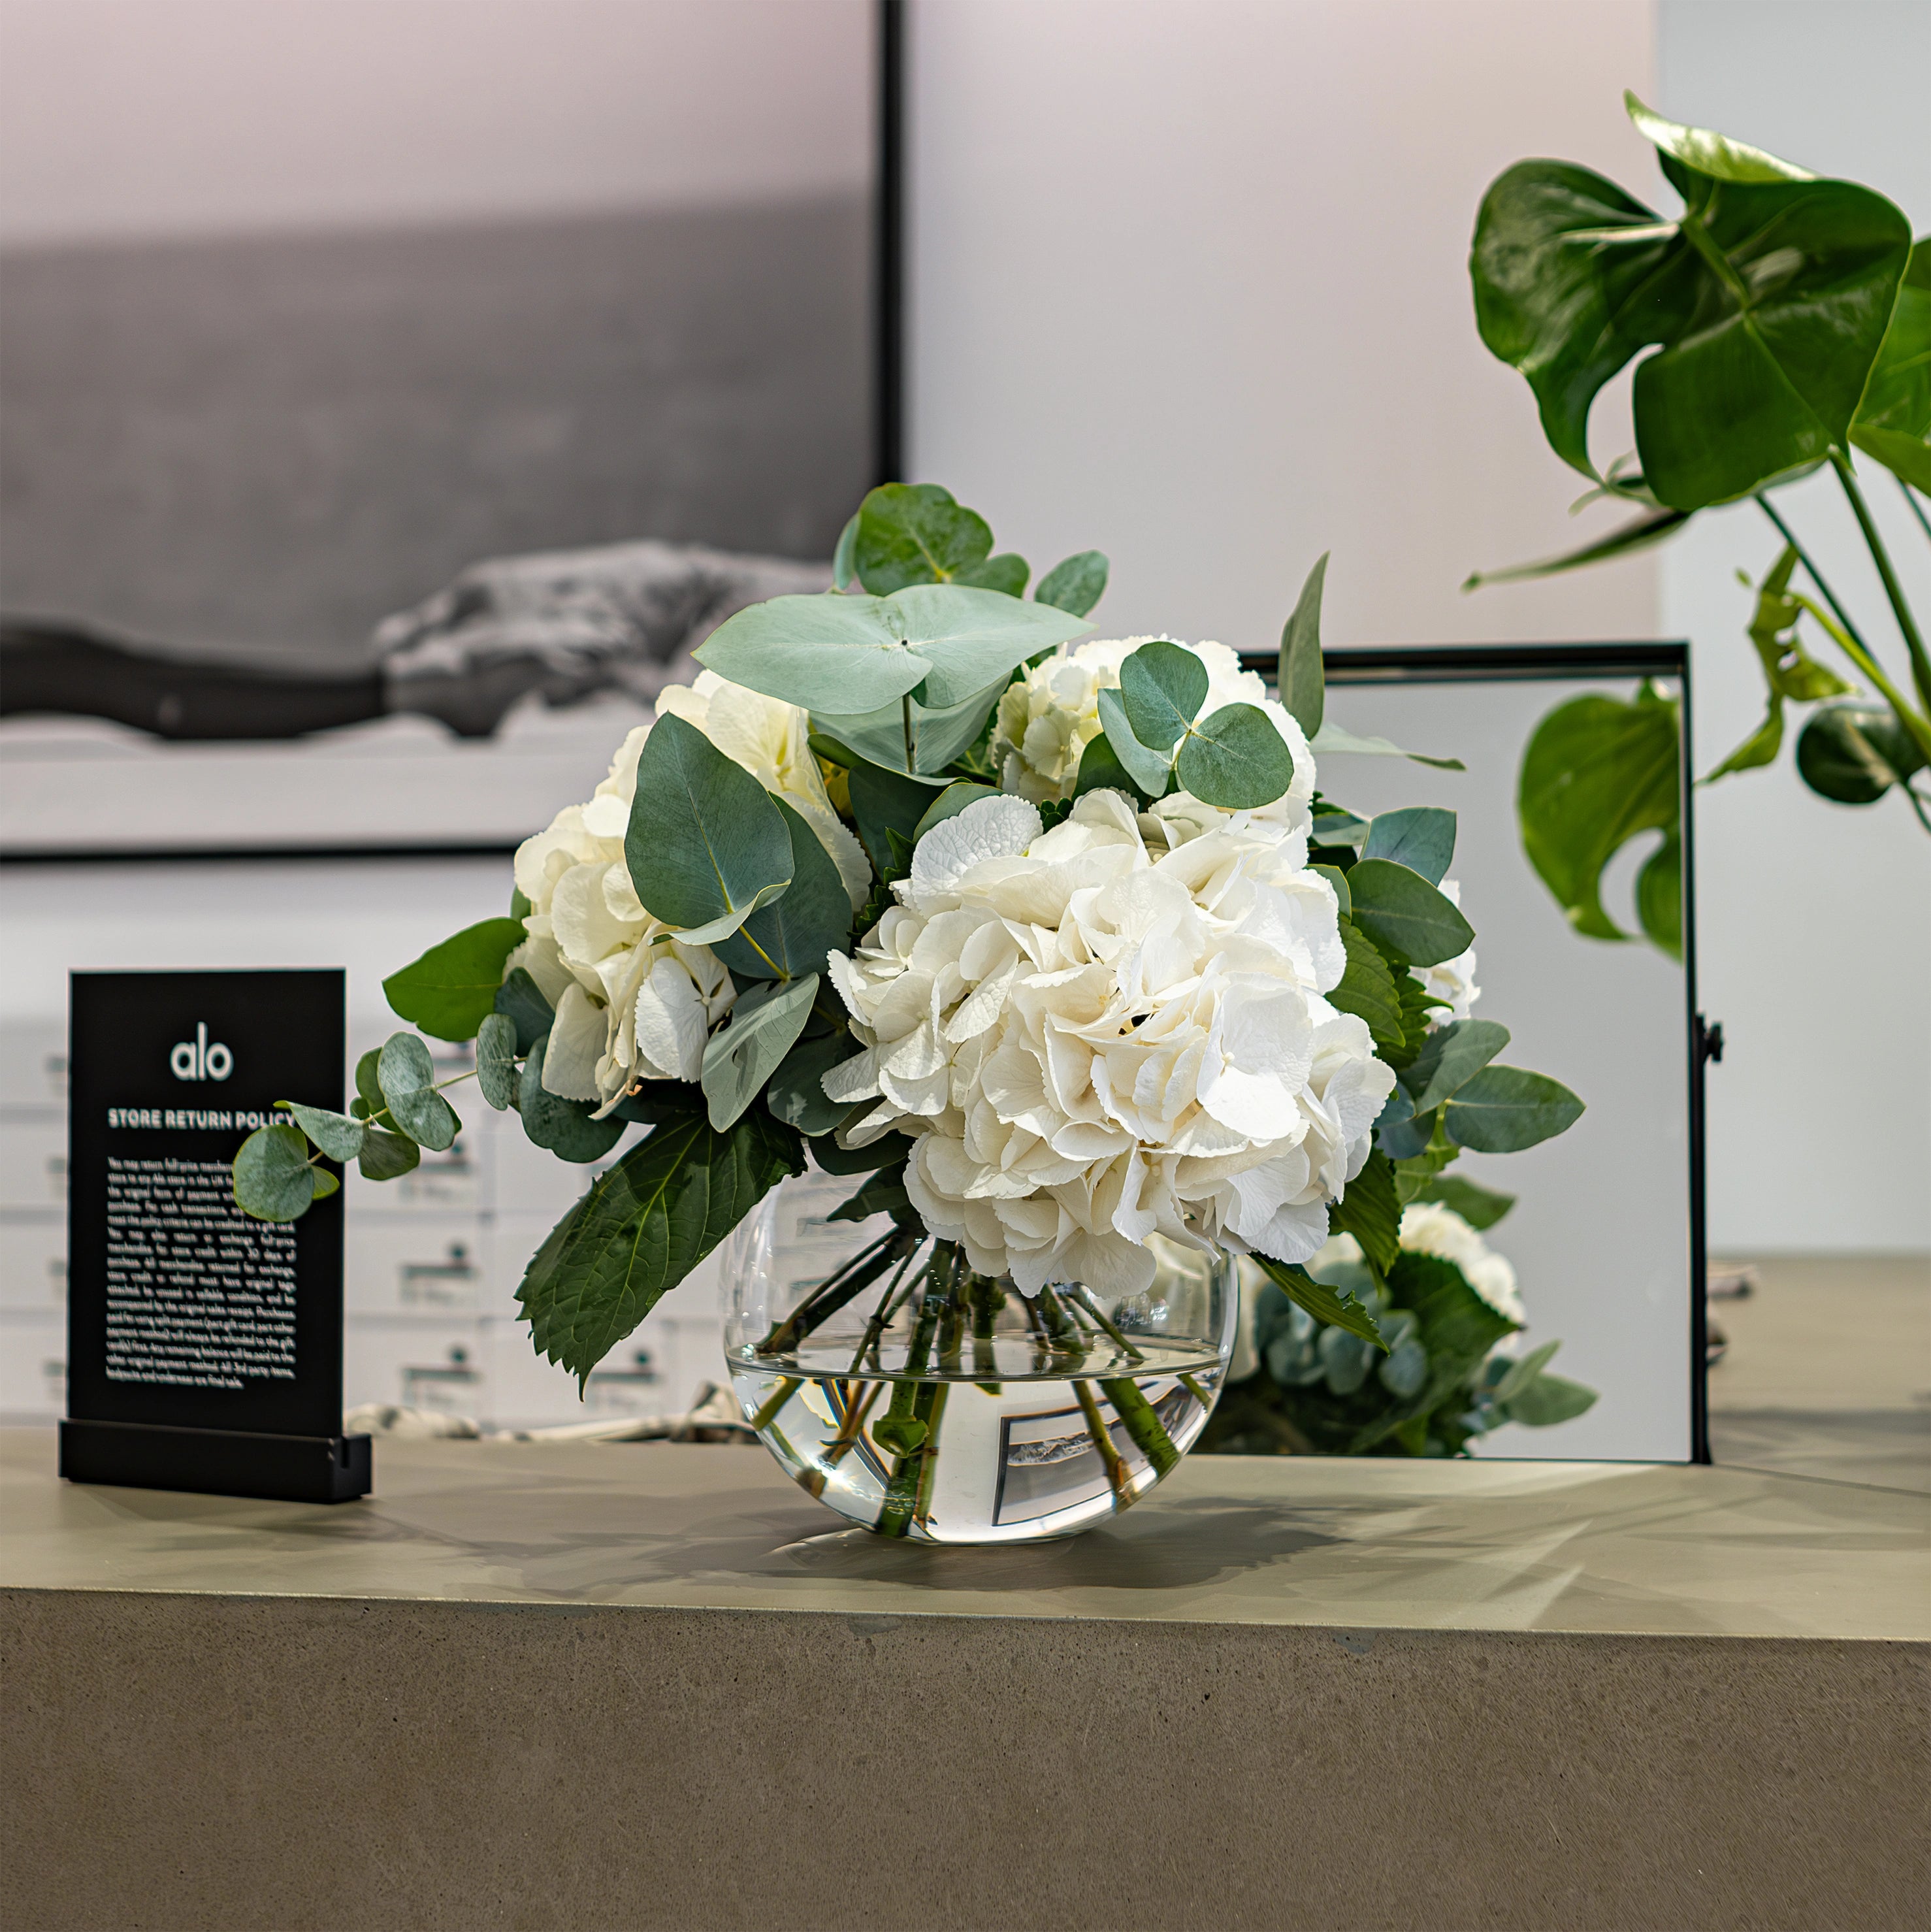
pixel 924 1401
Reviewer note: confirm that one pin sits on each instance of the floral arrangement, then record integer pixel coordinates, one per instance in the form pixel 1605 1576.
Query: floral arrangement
pixel 1059 948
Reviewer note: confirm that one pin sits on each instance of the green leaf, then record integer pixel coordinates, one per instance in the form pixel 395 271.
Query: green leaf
pixel 563 1127
pixel 1405 1138
pixel 385 1155
pixel 796 1094
pixel 887 1150
pixel 883 800
pixel 1660 896
pixel 339 1135
pixel 916 533
pixel 1338 879
pixel 324 1184
pixel 1767 301
pixel 1006 573
pixel 1650 528
pixel 1524 1370
pixel 521 1002
pixel 1076 585
pixel 1149 770
pixel 845 557
pixel 1597 771
pixel 407 1077
pixel 793 934
pixel 1480 1206
pixel 1301 678
pixel 1504 1109
pixel 882 1193
pixel 938 736
pixel 1338 1308
pixel 368 1085
pixel 1450 1057
pixel 1854 753
pixel 451 989
pixel 1397 907
pixel 1100 770
pixel 496 1061
pixel 742 1054
pixel 273 1179
pixel 950 803
pixel 1368 1210
pixel 1367 988
pixel 1549 1399
pixel 1162 688
pixel 1236 759
pixel 520 905
pixel 643 1227
pixel 1332 738
pixel 706 845
pixel 1421 837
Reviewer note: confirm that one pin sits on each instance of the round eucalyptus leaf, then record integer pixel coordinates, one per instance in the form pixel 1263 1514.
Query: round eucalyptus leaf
pixel 408 1078
pixel 1162 688
pixel 339 1135
pixel 916 533
pixel 495 1061
pixel 1151 772
pixel 1405 1369
pixel 1235 759
pixel 274 1181
pixel 1076 585
pixel 563 1127
pixel 385 1156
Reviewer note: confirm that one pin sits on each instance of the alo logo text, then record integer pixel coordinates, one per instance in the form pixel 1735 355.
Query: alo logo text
pixel 197 1059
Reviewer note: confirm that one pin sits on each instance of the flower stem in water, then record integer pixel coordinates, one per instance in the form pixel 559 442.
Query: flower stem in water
pixel 1143 1423
pixel 768 1413
pixel 1103 1437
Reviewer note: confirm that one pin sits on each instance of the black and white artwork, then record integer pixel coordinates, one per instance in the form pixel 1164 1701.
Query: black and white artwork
pixel 393 391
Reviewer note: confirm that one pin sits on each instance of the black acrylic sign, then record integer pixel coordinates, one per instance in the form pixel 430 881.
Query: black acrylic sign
pixel 204 1347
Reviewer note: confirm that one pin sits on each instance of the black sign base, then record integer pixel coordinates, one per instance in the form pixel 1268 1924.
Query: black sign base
pixel 217 1461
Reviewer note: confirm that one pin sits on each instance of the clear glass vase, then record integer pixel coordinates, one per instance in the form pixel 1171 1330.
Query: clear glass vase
pixel 925 1402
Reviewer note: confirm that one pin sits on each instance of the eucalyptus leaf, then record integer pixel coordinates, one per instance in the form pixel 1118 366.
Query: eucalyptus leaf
pixel 496 1061
pixel 1397 907
pixel 643 1227
pixel 938 736
pixel 1338 1309
pixel 844 559
pixel 407 1077
pixel 452 987
pixel 1337 881
pixel 1504 1109
pixel 368 1084
pixel 563 1127
pixel 883 800
pixel 1150 771
pixel 1235 759
pixel 1076 585
pixel 706 845
pixel 1407 1139
pixel 274 1181
pixel 1451 1057
pixel 521 1001
pixel 1006 573
pixel 812 918
pixel 1162 688
pixel 1421 837
pixel 796 1094
pixel 1480 1206
pixel 1548 1400
pixel 916 533
pixel 324 1182
pixel 1100 770
pixel 339 1135
pixel 1332 738
pixel 385 1156
pixel 1854 753
pixel 1301 679
pixel 744 1053
pixel 1524 1370
pixel 950 803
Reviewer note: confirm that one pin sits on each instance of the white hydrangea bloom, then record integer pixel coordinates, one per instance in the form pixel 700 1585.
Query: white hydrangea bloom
pixel 632 1001
pixel 1048 717
pixel 1113 1028
pixel 1453 980
pixel 1428 1227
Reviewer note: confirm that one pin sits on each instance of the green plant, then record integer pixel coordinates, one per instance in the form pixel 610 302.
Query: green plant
pixel 1789 318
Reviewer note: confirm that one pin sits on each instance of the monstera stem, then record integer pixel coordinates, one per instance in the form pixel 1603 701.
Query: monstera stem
pixel 1914 642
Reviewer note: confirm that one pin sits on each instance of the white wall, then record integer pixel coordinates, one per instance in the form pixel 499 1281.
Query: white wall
pixel 1815 918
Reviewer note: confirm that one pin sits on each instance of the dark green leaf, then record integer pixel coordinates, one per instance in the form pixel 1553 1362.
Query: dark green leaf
pixel 1854 753
pixel 1549 1399
pixel 950 803
pixel 916 533
pixel 1236 759
pixel 1338 1308
pixel 273 1179
pixel 1007 573
pixel 339 1135
pixel 650 1103
pixel 1660 896
pixel 1450 1057
pixel 1480 1206
pixel 1421 837
pixel 1076 585
pixel 1597 771
pixel 1100 770
pixel 450 990
pixel 1650 528
pixel 1406 1139
pixel 1149 771
pixel 706 845
pixel 742 1054
pixel 845 557
pixel 1504 1109
pixel 520 905
pixel 882 1193
pixel 642 1228
pixel 882 800
pixel 1397 907
pixel 1162 688
pixel 793 934
pixel 564 1127
pixel 495 1061
pixel 407 1076
pixel 1524 1370
pixel 1337 879
pixel 521 1001
pixel 1368 1210
pixel 368 1085
pixel 887 1150
pixel 324 1182
pixel 1300 679
pixel 796 1094
pixel 1367 988
pixel 385 1155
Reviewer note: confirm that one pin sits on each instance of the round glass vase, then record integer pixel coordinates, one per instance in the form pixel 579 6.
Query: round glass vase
pixel 925 1402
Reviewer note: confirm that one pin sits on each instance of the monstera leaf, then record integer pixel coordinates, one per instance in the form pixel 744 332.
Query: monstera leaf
pixel 1767 300
pixel 1893 421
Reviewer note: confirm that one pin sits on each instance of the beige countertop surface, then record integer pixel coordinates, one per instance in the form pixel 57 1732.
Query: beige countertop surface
pixel 1615 1549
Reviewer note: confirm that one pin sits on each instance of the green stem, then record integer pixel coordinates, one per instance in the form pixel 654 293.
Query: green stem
pixel 1143 1423
pixel 890 1303
pixel 928 1456
pixel 832 1293
pixel 769 1410
pixel 1085 1297
pixel 1914 642
pixel 905 711
pixel 1102 1439
pixel 1916 507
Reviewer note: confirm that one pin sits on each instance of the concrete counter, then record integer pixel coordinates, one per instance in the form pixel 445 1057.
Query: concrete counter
pixel 538 1686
